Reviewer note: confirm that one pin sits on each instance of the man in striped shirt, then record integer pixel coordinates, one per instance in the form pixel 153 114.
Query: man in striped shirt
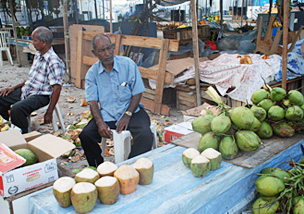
pixel 42 87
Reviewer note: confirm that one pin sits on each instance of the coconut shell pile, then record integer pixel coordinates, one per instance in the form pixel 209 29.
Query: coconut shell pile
pixel 273 112
pixel 105 183
pixel 280 191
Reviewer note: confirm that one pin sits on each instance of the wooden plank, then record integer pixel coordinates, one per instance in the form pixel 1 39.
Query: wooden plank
pixel 149 104
pixel 161 76
pixel 88 35
pixel 86 60
pixel 117 44
pixel 268 35
pixel 148 96
pixel 153 74
pixel 268 148
pixel 148 42
pixel 79 60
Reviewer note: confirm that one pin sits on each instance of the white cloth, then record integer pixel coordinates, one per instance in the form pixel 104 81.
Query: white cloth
pixel 226 71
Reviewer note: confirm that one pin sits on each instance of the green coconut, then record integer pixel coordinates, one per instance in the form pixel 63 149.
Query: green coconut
pixel 276 113
pixel 294 113
pixel 108 189
pixel 277 94
pixel 266 104
pixel 296 199
pixel 277 172
pixel 269 185
pixel 202 124
pixel 265 131
pixel 256 125
pixel 299 207
pixel 28 155
pixel 242 117
pixel 228 148
pixel 208 140
pixel 200 166
pixel 87 175
pixel 62 188
pixel 145 168
pixel 214 157
pixel 84 197
pixel 295 97
pixel 221 124
pixel 259 112
pixel 283 129
pixel 286 102
pixel 188 155
pixel 302 107
pixel 259 95
pixel 265 205
pixel 247 140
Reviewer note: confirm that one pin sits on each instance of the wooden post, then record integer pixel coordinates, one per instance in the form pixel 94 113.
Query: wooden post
pixel 15 33
pixel 221 14
pixel 79 60
pixel 285 43
pixel 242 13
pixel 161 76
pixel 195 52
pixel 66 38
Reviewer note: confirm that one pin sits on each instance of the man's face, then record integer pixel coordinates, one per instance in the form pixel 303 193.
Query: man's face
pixel 39 45
pixel 104 51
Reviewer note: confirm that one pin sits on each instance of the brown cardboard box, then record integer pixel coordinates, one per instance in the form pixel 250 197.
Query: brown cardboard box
pixel 46 147
pixel 31 136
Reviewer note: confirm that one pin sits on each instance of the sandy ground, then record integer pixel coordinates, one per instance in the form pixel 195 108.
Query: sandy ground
pixel 12 75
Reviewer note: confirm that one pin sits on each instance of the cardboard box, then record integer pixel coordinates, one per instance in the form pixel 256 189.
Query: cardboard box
pixel 176 131
pixel 46 147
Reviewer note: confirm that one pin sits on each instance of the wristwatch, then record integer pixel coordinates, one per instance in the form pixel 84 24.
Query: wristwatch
pixel 128 113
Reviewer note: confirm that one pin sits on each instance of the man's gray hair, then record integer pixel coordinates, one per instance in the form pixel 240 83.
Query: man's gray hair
pixel 44 34
pixel 99 36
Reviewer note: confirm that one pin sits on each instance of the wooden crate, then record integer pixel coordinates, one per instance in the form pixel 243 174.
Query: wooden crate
pixel 184 35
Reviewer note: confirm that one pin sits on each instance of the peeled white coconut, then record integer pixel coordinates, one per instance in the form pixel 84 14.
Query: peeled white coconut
pixel 87 175
pixel 84 197
pixel 200 166
pixel 188 155
pixel 128 178
pixel 108 189
pixel 62 188
pixel 107 168
pixel 214 156
pixel 145 168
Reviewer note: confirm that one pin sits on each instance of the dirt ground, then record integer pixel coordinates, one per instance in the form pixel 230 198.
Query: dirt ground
pixel 12 75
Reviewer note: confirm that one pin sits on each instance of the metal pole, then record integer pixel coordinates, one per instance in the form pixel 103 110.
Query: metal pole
pixel 14 30
pixel 66 37
pixel 206 8
pixel 96 14
pixel 242 12
pixel 111 24
pixel 103 9
pixel 221 14
pixel 195 51
pixel 285 43
pixel 76 12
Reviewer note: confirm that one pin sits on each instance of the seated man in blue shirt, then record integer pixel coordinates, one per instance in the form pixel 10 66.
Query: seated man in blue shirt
pixel 113 88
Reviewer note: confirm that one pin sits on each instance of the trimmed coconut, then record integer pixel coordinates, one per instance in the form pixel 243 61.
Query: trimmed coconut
pixel 128 178
pixel 200 166
pixel 145 168
pixel 62 188
pixel 84 197
pixel 87 175
pixel 215 158
pixel 188 155
pixel 107 168
pixel 108 189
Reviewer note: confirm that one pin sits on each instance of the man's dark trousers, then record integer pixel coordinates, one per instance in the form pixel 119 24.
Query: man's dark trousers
pixel 21 109
pixel 139 126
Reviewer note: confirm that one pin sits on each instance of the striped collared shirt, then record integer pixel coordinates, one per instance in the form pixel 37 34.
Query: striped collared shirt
pixel 47 70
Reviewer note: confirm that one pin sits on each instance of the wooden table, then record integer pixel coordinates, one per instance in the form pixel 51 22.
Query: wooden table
pixel 175 190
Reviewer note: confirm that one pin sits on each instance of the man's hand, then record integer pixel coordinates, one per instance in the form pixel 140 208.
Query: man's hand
pixel 123 123
pixel 48 117
pixel 6 91
pixel 104 130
